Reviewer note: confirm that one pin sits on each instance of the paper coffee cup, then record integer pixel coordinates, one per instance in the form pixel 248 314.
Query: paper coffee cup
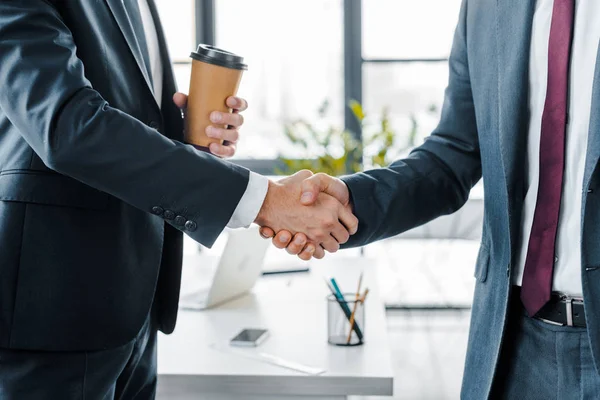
pixel 216 75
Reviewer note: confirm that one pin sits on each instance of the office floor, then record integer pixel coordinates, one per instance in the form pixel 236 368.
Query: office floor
pixel 428 351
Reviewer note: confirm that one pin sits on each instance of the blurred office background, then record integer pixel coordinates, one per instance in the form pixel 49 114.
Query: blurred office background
pixel 308 59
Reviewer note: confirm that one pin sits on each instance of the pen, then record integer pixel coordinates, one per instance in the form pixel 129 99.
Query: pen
pixel 330 288
pixel 356 301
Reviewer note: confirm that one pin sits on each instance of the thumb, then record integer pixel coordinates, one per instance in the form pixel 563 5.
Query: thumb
pixel 312 186
pixel 297 177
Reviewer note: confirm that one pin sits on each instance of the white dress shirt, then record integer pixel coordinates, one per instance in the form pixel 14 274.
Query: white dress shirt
pixel 586 36
pixel 254 196
pixel 156 66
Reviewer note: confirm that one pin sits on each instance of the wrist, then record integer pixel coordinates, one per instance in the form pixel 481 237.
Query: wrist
pixel 349 203
pixel 264 217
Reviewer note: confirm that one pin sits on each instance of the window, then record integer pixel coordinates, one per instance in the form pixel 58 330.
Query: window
pixel 179 26
pixel 408 29
pixel 406 45
pixel 295 62
pixel 387 54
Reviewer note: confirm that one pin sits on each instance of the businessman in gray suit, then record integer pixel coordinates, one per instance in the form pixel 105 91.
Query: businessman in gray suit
pixel 96 191
pixel 521 110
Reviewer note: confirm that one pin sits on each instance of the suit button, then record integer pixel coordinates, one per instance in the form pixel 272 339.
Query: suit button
pixel 153 124
pixel 156 210
pixel 191 226
pixel 179 220
pixel 169 215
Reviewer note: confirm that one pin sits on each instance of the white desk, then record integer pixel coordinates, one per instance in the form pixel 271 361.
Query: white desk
pixel 293 308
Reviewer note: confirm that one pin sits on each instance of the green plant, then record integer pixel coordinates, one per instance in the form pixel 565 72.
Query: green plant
pixel 334 151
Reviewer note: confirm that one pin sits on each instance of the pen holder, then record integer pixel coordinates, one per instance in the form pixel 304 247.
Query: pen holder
pixel 342 314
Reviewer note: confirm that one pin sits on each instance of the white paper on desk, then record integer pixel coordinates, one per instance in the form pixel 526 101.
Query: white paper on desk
pixel 270 359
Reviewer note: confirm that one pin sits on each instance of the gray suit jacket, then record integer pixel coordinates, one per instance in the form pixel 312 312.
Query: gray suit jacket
pixel 96 187
pixel 482 131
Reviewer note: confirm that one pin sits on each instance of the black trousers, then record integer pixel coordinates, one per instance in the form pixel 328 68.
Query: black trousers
pixel 125 373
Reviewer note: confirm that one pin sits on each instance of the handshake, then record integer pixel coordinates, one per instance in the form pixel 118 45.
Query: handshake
pixel 313 210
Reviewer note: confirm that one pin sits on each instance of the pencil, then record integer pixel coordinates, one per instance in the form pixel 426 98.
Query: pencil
pixel 356 300
pixel 352 322
pixel 364 296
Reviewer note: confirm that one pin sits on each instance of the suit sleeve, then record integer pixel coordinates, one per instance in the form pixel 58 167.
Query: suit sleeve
pixel 436 178
pixel 75 132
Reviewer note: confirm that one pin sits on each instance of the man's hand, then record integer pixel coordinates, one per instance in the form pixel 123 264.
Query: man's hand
pixel 323 219
pixel 233 120
pixel 311 188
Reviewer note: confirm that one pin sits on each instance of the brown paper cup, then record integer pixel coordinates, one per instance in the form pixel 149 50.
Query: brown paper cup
pixel 216 75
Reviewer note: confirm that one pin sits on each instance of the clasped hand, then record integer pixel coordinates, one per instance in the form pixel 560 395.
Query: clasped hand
pixel 313 210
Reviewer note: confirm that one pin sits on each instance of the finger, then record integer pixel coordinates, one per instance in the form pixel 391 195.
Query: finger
pixel 307 252
pixel 348 219
pixel 221 118
pixel 340 234
pixel 236 103
pixel 330 244
pixel 310 190
pixel 230 135
pixel 282 239
pixel 323 183
pixel 180 100
pixel 319 252
pixel 266 232
pixel 297 244
pixel 222 151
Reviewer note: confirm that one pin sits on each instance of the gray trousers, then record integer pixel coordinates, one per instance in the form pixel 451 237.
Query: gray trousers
pixel 544 361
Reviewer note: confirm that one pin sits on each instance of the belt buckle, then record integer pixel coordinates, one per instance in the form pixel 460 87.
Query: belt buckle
pixel 568 300
pixel 569 305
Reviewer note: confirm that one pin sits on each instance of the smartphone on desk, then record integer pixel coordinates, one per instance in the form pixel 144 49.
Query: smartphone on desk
pixel 250 337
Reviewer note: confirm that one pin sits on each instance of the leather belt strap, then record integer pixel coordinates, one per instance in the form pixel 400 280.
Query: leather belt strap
pixel 561 310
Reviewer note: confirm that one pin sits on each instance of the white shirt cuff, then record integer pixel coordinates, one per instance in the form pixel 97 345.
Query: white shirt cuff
pixel 247 209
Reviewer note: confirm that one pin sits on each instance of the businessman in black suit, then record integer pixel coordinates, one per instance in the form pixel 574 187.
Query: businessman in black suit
pixel 96 188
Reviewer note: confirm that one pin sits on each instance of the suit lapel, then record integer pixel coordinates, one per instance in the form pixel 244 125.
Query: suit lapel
pixel 593 150
pixel 120 14
pixel 513 38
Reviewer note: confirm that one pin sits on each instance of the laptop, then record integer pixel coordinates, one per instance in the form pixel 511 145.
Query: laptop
pixel 216 280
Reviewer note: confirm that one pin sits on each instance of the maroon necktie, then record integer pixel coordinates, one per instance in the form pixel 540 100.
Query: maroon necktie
pixel 539 265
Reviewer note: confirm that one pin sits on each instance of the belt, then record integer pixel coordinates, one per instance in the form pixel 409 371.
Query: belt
pixel 561 310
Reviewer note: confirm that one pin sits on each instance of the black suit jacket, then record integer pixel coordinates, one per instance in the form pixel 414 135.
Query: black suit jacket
pixel 95 185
